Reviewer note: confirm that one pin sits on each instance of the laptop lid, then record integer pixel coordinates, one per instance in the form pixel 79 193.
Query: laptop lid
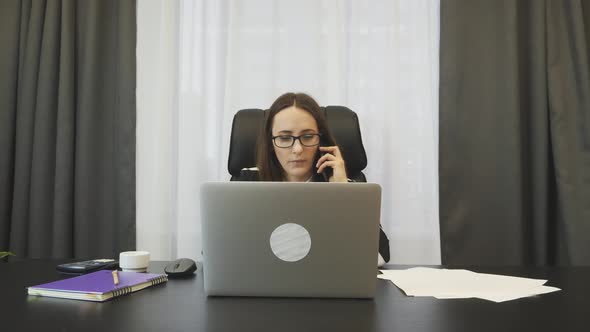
pixel 290 239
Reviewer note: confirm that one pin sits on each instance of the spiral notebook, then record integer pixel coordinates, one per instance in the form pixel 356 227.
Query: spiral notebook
pixel 98 286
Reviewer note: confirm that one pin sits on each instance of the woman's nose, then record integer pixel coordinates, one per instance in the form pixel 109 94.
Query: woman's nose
pixel 297 147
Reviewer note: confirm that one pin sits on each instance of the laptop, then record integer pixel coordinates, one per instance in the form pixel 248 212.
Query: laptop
pixel 281 239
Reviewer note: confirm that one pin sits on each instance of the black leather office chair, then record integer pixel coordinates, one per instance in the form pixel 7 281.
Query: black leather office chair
pixel 342 121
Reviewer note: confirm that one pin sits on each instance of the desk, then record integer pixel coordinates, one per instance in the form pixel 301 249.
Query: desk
pixel 180 305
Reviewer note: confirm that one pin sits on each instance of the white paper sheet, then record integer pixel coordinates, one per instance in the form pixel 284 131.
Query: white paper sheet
pixel 454 284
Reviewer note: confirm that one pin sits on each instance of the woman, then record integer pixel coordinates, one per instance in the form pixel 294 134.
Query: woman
pixel 296 145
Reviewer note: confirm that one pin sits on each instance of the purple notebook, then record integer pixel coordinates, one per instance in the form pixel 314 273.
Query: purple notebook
pixel 98 286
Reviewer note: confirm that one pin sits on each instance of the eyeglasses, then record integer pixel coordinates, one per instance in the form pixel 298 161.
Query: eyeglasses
pixel 287 141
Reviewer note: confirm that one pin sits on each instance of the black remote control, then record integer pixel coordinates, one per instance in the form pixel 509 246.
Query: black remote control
pixel 88 266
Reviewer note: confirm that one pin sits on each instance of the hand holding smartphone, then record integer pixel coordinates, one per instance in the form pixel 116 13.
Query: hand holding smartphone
pixel 327 172
pixel 330 161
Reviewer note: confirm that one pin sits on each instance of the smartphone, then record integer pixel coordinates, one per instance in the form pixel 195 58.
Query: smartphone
pixel 328 171
pixel 326 141
pixel 88 266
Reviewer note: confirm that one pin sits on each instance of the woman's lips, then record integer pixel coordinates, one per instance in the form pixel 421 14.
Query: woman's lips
pixel 297 162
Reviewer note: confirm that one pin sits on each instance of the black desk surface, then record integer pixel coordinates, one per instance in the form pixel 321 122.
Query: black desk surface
pixel 180 305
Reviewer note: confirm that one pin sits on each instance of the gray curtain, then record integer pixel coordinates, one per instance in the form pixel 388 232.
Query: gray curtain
pixel 515 132
pixel 67 127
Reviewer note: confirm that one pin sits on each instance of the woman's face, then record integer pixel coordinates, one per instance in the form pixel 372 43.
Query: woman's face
pixel 296 161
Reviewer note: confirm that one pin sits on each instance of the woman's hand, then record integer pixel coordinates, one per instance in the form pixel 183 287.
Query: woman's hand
pixel 332 158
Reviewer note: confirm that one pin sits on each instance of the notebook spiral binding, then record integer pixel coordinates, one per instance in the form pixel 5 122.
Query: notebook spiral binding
pixel 122 291
pixel 129 289
pixel 159 280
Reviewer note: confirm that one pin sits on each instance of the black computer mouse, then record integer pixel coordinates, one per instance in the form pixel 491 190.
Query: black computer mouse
pixel 181 267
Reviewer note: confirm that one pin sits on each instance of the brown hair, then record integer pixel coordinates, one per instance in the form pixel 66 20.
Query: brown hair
pixel 269 168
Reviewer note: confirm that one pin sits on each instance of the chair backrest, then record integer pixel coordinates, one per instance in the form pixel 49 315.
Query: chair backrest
pixel 343 122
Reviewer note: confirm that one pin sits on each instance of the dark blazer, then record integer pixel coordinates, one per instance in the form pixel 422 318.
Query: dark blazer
pixel 251 175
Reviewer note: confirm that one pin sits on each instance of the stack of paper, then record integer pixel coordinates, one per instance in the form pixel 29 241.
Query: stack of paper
pixel 455 284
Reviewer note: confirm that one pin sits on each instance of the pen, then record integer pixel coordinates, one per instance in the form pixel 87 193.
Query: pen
pixel 115 277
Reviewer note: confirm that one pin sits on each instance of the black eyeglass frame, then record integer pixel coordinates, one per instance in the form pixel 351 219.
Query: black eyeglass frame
pixel 296 138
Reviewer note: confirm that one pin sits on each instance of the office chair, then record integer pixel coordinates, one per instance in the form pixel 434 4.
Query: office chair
pixel 343 122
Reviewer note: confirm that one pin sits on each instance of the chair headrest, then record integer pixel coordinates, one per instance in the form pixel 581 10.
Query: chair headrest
pixel 343 123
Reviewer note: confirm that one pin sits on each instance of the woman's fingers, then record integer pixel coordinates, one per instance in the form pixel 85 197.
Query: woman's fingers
pixel 332 158
pixel 332 161
pixel 331 149
pixel 326 164
pixel 324 158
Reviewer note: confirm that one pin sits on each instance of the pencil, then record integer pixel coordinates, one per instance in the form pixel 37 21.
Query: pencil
pixel 115 277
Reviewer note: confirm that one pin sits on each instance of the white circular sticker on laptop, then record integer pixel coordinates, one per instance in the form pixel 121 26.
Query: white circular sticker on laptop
pixel 290 242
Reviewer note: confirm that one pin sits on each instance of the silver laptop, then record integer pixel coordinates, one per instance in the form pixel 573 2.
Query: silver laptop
pixel 290 239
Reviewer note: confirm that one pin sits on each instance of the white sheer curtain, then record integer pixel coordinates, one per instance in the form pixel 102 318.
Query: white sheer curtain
pixel 201 61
